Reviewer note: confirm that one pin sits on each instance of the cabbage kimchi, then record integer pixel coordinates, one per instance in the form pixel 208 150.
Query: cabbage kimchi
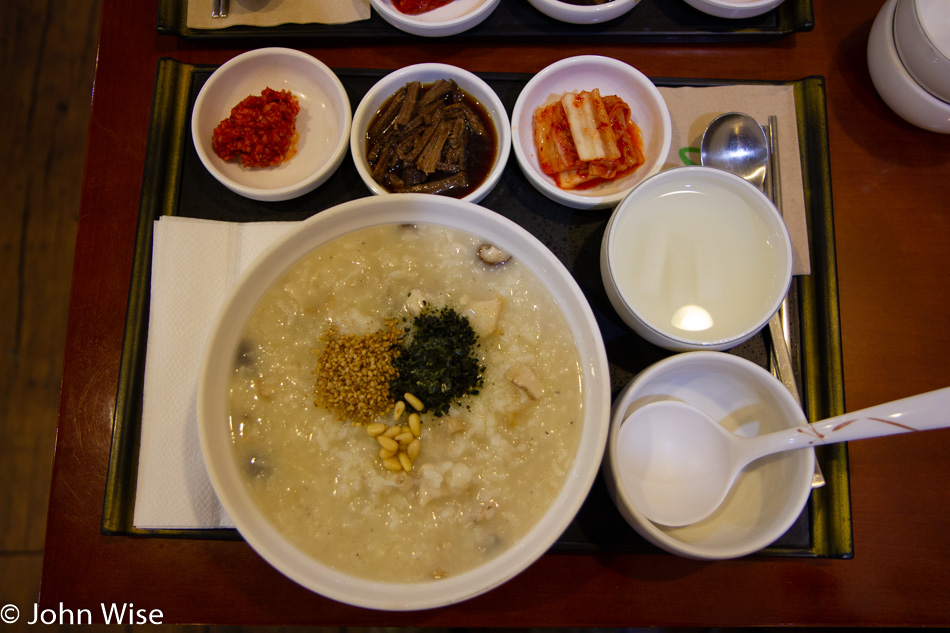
pixel 584 139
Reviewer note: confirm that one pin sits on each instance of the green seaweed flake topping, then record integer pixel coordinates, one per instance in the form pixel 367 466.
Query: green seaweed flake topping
pixel 437 361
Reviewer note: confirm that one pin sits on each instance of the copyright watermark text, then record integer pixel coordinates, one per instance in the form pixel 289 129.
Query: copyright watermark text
pixel 113 613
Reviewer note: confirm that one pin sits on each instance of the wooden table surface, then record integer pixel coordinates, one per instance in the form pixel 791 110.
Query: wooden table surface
pixel 891 193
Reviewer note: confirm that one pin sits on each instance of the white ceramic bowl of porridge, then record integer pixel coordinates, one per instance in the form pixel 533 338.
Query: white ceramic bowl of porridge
pixel 462 520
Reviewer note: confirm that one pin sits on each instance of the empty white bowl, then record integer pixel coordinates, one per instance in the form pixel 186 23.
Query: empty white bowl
pixel 769 494
pixel 224 341
pixel 323 123
pixel 922 36
pixel 583 14
pixel 427 74
pixel 611 77
pixel 449 19
pixel 696 258
pixel 734 8
pixel 895 85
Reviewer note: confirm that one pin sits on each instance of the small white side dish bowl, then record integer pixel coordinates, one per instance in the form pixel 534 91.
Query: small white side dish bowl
pixel 323 123
pixel 895 85
pixel 611 77
pixel 922 36
pixel 769 494
pixel 583 14
pixel 734 9
pixel 450 19
pixel 224 341
pixel 429 73
pixel 696 258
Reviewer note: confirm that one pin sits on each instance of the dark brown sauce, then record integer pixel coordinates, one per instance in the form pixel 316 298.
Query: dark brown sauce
pixel 479 155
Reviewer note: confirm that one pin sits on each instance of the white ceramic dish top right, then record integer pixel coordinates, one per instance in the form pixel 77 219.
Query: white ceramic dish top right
pixel 895 85
pixel 922 36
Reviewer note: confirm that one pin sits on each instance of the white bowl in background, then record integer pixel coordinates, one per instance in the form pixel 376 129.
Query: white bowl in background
pixel 213 420
pixel 922 37
pixel 430 73
pixel 611 77
pixel 450 19
pixel 734 9
pixel 769 494
pixel 895 85
pixel 323 123
pixel 696 258
pixel 583 14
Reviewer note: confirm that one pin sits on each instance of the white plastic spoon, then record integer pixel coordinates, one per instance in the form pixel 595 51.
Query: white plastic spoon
pixel 677 464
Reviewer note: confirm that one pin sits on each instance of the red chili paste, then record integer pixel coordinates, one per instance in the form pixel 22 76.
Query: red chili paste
pixel 415 7
pixel 261 130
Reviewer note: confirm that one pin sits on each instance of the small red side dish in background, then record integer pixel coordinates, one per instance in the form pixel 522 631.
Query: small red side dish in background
pixel 415 7
pixel 261 130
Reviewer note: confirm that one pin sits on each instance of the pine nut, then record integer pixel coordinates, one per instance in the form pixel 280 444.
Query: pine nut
pixel 375 429
pixel 385 454
pixel 413 449
pixel 388 443
pixel 415 424
pixel 399 410
pixel 404 438
pixel 393 431
pixel 393 464
pixel 405 462
pixel 415 402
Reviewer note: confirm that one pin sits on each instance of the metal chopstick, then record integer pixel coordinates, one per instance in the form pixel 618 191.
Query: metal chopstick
pixel 779 324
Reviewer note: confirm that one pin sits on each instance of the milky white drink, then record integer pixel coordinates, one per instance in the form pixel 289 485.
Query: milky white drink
pixel 692 262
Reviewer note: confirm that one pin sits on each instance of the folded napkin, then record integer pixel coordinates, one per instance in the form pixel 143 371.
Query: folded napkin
pixel 276 12
pixel 195 265
pixel 692 109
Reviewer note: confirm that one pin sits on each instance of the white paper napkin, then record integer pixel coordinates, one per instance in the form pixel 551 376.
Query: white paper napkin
pixel 276 12
pixel 195 265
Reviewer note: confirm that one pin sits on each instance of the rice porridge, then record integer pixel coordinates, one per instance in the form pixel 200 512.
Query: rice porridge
pixel 475 476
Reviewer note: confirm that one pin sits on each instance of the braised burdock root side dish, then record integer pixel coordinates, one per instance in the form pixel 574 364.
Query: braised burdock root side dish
pixel 583 139
pixel 432 138
pixel 261 130
pixel 406 403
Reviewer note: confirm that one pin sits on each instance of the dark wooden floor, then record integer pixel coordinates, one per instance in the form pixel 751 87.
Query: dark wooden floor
pixel 47 64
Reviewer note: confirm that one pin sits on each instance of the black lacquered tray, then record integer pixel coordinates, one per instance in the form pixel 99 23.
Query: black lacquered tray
pixel 516 20
pixel 176 183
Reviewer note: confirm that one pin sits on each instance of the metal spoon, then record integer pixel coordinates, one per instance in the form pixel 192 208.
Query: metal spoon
pixel 735 142
pixel 678 464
